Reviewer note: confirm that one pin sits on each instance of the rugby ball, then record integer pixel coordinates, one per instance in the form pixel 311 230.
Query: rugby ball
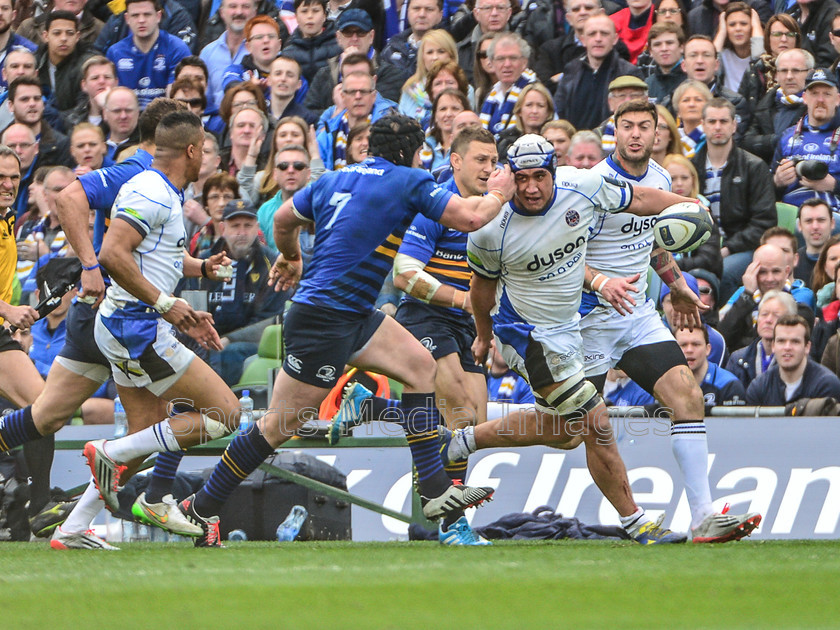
pixel 682 227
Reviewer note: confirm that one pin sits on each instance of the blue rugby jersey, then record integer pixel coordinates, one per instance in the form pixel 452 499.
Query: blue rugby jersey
pixel 361 213
pixel 149 73
pixel 442 249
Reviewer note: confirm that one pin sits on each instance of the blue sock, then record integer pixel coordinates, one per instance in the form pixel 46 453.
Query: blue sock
pixel 378 408
pixel 242 456
pixel 163 475
pixel 17 428
pixel 420 421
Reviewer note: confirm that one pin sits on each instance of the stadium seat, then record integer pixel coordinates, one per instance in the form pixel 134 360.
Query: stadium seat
pixel 269 357
pixel 786 216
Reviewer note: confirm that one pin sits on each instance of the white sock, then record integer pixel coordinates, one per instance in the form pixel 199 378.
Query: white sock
pixel 85 511
pixel 463 443
pixel 688 441
pixel 632 523
pixel 154 439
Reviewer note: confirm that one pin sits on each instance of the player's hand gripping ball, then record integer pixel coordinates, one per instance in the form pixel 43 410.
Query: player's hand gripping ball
pixel 683 227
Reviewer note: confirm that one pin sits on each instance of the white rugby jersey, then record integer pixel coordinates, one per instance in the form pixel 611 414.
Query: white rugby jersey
pixel 152 206
pixel 539 259
pixel 620 245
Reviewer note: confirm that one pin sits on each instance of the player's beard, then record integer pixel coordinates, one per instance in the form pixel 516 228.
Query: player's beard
pixel 640 161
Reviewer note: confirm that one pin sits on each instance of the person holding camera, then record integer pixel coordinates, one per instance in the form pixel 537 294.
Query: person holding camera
pixel 727 172
pixel 806 163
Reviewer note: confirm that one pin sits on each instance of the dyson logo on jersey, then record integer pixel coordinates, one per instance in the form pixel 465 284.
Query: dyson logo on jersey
pixel 556 256
pixel 637 226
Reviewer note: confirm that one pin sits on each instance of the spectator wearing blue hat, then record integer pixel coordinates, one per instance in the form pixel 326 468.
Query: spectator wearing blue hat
pixel 718 354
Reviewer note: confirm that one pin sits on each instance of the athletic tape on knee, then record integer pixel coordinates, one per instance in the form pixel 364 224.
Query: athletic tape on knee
pixel 214 428
pixel 575 394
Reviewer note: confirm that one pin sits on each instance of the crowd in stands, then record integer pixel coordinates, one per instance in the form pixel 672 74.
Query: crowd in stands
pixel 746 93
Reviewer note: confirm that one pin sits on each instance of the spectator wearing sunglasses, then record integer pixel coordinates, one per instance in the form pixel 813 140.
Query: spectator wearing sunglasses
pixel 292 173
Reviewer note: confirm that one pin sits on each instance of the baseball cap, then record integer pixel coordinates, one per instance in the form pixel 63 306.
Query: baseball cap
pixel 821 76
pixel 354 17
pixel 627 81
pixel 239 208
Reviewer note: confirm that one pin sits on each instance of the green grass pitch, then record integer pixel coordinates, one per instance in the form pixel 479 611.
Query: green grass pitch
pixel 562 584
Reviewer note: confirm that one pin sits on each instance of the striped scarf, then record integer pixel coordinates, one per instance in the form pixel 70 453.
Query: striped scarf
pixel 691 142
pixel 340 148
pixel 788 100
pixel 497 111
pixel 608 137
pixel 58 247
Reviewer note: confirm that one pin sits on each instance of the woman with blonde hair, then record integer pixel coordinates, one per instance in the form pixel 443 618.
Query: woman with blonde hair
pixel 559 133
pixel 667 136
pixel 685 182
pixel 436 45
pixel 533 108
pixel 690 98
pixel 260 186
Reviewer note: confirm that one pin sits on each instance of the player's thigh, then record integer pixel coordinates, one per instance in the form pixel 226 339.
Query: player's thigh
pixel 394 352
pixel 20 382
pixel 63 393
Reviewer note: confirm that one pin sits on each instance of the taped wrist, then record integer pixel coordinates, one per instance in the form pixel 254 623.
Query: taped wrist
pixel 420 285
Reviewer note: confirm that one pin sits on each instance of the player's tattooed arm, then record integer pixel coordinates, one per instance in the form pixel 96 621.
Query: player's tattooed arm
pixel 665 266
pixel 686 304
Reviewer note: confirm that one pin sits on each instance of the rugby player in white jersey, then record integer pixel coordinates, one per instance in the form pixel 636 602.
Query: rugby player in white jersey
pixel 528 265
pixel 143 251
pixel 625 332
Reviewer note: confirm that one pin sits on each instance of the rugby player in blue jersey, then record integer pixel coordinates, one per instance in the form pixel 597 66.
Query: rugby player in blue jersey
pixel 360 215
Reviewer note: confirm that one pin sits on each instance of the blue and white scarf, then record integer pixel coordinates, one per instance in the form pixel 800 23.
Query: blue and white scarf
pixel 497 111
pixel 788 100
pixel 340 145
pixel 691 142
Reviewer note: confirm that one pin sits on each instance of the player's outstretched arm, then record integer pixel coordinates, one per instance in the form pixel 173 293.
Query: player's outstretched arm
pixel 687 305
pixel 483 298
pixel 73 214
pixel 648 201
pixel 471 213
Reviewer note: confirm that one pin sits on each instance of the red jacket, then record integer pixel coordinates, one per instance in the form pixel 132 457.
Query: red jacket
pixel 636 39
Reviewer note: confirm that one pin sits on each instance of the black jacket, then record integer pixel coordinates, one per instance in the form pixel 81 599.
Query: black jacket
pixel 53 148
pixel 581 96
pixel 553 56
pixel 754 84
pixel 737 325
pixel 768 123
pixel 400 55
pixel 707 256
pixel 68 76
pixel 312 53
pixel 661 85
pixel 815 30
pixel 176 21
pixel 247 299
pixel 817 382
pixel 748 202
pixel 742 363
